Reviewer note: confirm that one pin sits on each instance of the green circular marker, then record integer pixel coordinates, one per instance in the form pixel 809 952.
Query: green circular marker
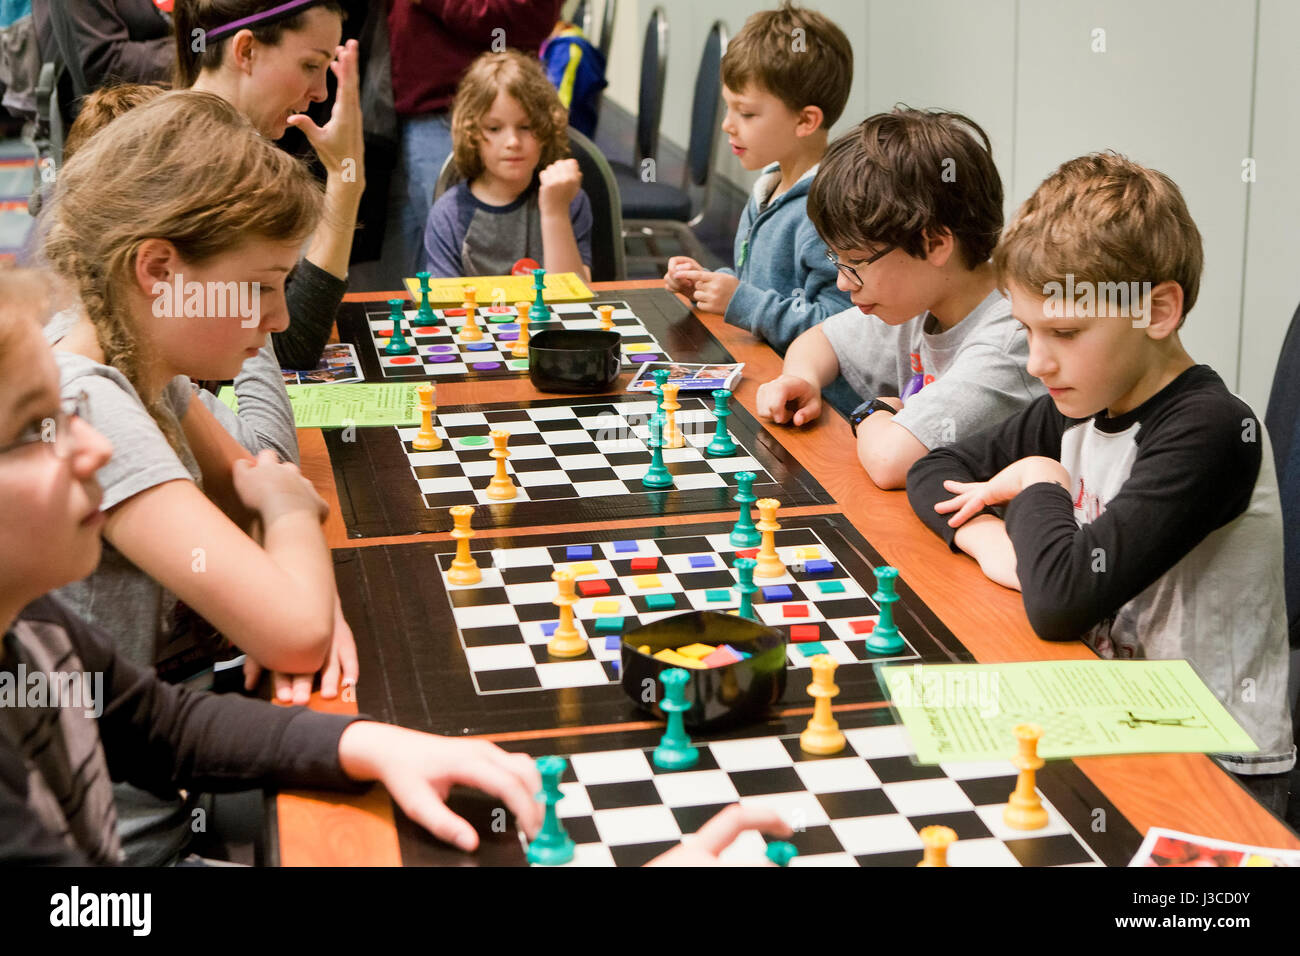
pixel 501 317
pixel 518 363
pixel 473 440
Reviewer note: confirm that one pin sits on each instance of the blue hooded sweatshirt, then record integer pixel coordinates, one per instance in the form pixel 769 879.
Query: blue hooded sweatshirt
pixel 787 285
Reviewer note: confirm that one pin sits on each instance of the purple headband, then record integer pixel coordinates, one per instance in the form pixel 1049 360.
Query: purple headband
pixel 275 13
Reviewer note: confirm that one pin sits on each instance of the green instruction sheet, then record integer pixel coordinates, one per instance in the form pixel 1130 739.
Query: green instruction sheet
pixel 966 712
pixel 346 406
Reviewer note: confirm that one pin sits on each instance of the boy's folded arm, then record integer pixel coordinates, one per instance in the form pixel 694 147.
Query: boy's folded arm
pixel 1190 479
pixel 1036 430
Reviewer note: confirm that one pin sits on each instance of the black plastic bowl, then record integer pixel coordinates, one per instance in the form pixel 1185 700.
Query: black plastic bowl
pixel 575 360
pixel 740 691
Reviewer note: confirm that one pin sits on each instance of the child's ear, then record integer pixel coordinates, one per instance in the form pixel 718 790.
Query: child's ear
pixel 1163 311
pixel 940 246
pixel 155 261
pixel 810 121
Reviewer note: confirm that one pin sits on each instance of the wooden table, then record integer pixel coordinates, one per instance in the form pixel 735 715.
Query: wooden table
pixel 1185 792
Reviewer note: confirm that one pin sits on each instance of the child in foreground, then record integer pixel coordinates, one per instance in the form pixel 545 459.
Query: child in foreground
pixel 782 98
pixel 521 198
pixel 1138 503
pixel 910 205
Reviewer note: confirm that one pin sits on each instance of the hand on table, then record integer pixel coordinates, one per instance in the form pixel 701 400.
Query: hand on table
pixel 420 769
pixel 674 278
pixel 703 847
pixel 340 665
pixel 713 290
pixel 774 397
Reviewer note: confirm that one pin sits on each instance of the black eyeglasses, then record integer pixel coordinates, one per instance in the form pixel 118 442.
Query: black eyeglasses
pixel 57 431
pixel 851 272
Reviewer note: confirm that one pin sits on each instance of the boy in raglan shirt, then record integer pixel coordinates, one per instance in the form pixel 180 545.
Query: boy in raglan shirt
pixel 1141 504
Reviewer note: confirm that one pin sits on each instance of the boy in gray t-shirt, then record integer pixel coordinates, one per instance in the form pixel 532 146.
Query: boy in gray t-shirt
pixel 930 345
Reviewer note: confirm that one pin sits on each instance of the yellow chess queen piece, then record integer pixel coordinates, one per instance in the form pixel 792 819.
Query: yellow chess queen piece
pixel 673 437
pixel 566 641
pixel 520 348
pixel 769 562
pixel 936 840
pixel 822 735
pixel 470 332
pixel 1024 811
pixel 463 569
pixel 607 321
pixel 427 439
pixel 500 488
pixel 470 294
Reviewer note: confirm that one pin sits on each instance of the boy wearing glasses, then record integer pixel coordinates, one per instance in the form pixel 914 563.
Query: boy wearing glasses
pixel 910 205
pixel 785 79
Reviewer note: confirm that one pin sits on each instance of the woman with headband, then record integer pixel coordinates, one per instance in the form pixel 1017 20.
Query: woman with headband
pixel 269 61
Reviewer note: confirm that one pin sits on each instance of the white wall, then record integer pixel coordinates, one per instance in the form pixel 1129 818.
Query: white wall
pixel 1190 87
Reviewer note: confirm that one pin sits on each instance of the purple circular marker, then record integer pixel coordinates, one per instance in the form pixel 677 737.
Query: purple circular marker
pixel 480 347
pixel 508 327
pixel 486 366
pixel 442 358
pixel 643 357
pixel 442 348
pixel 508 337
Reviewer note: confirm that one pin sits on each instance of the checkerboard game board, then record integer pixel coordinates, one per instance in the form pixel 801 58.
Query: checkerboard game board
pixel 653 322
pixel 505 621
pixel 570 460
pixel 440 354
pixel 864 806
pixel 473 659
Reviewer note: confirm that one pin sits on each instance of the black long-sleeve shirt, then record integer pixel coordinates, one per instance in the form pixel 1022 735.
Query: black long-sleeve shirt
pixel 312 296
pixel 56 763
pixel 1167 545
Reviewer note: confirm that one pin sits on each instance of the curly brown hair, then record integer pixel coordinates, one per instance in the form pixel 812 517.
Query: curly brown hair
pixel 521 76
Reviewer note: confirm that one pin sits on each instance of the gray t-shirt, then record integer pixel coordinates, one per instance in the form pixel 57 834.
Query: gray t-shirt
pixel 953 383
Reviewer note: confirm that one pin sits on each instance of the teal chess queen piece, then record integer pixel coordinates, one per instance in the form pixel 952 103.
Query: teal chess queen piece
pixel 675 750
pixel 425 315
pixel 397 344
pixel 885 638
pixel 552 846
pixel 538 312
pixel 745 534
pixel 722 445
pixel 660 375
pixel 658 477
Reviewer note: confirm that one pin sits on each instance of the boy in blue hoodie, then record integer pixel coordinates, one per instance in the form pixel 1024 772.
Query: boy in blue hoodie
pixel 783 283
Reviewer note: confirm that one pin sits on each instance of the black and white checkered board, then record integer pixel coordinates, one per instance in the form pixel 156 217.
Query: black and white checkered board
pixel 491 673
pixel 864 806
pixel 440 352
pixel 570 461
pixel 591 450
pixel 505 621
pixel 654 325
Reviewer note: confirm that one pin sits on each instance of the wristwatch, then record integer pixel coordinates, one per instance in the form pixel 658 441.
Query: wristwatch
pixel 866 408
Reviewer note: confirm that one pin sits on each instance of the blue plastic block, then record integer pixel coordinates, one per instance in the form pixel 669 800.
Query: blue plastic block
pixel 777 592
pixel 703 561
pixel 613 641
pixel 818 566
pixel 622 547
pixel 548 627
pixel 578 552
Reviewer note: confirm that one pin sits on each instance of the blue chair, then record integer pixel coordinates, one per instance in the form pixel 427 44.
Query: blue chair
pixel 653 210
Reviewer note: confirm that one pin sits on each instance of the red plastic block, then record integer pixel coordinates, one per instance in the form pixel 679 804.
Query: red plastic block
pixel 795 610
pixel 593 588
pixel 862 627
pixel 646 564
pixel 747 553
pixel 805 632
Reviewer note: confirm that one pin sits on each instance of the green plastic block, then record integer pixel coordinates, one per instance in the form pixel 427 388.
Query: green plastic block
pixel 660 602
pixel 609 625
pixel 831 587
pixel 719 595
pixel 811 648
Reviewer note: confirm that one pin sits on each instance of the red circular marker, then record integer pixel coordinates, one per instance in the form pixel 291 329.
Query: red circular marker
pixel 524 267
pixel 402 360
pixel 426 330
